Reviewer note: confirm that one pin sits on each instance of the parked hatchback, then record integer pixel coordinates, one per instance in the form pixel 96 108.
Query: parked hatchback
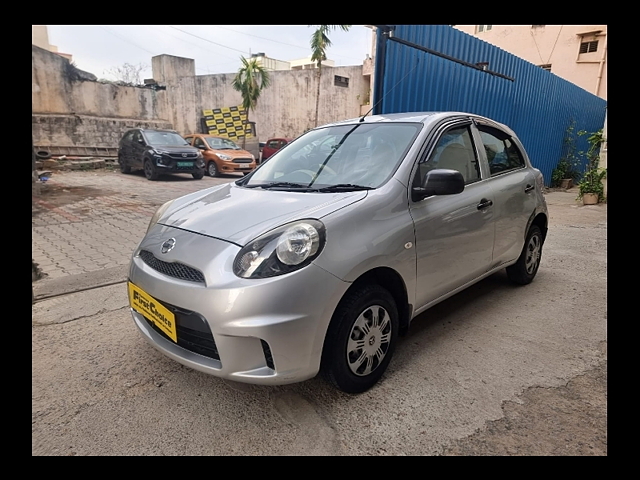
pixel 158 152
pixel 321 257
pixel 222 155
pixel 272 145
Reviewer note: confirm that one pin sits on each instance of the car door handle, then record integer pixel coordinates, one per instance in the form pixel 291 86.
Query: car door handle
pixel 484 203
pixel 528 188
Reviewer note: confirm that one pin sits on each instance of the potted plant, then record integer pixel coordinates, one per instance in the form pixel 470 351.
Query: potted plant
pixel 590 188
pixel 567 170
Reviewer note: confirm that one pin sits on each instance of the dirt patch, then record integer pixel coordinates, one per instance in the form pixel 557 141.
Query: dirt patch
pixel 61 195
pixel 564 421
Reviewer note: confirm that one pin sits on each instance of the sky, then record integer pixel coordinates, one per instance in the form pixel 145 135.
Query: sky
pixel 215 48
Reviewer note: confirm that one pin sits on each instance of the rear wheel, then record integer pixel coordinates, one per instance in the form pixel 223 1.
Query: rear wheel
pixel 150 170
pixel 212 169
pixel 361 339
pixel 123 168
pixel 524 270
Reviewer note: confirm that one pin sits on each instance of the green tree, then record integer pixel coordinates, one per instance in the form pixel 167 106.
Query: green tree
pixel 252 78
pixel 319 43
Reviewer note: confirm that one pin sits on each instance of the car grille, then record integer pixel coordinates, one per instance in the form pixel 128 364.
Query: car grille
pixel 192 330
pixel 172 269
pixel 242 160
pixel 185 156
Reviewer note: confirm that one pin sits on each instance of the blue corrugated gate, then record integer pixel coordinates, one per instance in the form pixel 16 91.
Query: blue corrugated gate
pixel 462 73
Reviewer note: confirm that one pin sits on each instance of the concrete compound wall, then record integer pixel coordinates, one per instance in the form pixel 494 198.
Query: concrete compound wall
pixel 285 108
pixel 68 111
pixel 73 112
pixel 84 130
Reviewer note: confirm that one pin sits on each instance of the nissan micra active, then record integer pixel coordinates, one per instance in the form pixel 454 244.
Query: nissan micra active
pixel 320 258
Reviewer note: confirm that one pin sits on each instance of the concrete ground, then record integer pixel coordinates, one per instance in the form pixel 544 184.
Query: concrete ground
pixel 495 370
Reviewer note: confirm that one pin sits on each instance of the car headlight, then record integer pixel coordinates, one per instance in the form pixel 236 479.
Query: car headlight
pixel 156 216
pixel 222 156
pixel 283 250
pixel 199 155
pixel 158 151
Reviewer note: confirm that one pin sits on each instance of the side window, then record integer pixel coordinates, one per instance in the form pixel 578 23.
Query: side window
pixel 454 151
pixel 128 136
pixel 137 138
pixel 274 144
pixel 189 140
pixel 199 142
pixel 502 153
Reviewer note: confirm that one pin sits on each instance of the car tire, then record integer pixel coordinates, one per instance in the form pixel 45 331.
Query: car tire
pixel 212 169
pixel 123 168
pixel 198 175
pixel 524 270
pixel 43 154
pixel 150 170
pixel 361 339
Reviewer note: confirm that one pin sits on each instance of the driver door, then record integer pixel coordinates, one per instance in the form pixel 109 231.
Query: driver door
pixel 454 233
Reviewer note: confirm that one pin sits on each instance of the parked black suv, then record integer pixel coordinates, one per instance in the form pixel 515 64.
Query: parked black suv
pixel 158 152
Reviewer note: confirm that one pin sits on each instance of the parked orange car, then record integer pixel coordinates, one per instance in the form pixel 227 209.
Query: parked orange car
pixel 222 155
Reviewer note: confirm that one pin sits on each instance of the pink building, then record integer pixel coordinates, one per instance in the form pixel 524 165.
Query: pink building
pixel 577 53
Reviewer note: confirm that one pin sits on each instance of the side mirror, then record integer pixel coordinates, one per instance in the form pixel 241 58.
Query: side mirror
pixel 201 147
pixel 439 182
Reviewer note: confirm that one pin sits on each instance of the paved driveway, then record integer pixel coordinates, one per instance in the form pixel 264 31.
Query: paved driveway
pixel 89 221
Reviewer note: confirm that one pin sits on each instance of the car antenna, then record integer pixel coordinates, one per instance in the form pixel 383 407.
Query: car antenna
pixel 390 90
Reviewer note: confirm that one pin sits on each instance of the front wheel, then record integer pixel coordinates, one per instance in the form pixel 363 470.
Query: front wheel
pixel 361 339
pixel 524 270
pixel 212 169
pixel 198 175
pixel 150 170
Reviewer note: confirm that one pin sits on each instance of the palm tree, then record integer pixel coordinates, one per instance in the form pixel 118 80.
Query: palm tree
pixel 250 80
pixel 319 44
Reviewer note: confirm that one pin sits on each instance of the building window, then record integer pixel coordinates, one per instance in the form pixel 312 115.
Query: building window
pixel 339 81
pixel 483 28
pixel 588 47
pixel 546 67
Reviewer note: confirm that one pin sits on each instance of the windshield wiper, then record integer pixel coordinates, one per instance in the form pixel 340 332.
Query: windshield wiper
pixel 288 185
pixel 343 187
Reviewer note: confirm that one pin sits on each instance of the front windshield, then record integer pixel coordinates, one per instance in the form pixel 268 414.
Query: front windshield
pixel 164 138
pixel 221 143
pixel 364 155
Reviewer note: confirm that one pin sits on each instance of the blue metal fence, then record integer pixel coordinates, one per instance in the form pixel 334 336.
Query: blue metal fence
pixel 538 105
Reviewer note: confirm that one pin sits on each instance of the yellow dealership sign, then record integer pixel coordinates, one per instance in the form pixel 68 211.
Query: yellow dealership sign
pixel 229 122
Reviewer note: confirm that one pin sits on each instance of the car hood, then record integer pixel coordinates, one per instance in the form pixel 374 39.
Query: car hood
pixel 176 148
pixel 231 153
pixel 238 215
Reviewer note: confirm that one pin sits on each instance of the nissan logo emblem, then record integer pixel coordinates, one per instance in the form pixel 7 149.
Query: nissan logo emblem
pixel 168 245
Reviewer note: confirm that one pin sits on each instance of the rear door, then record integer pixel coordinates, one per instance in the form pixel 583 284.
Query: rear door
pixel 513 189
pixel 138 147
pixel 124 151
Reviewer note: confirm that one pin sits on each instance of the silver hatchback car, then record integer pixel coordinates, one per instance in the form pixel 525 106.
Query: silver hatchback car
pixel 320 258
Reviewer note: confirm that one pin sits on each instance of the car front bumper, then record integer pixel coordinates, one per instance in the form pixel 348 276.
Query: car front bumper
pixel 237 167
pixel 167 164
pixel 265 331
